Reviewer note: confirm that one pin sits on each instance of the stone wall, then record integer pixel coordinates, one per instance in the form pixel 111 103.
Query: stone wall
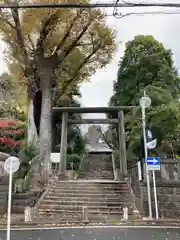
pixel 168 197
pixel 4 181
pixel 168 190
pixel 22 200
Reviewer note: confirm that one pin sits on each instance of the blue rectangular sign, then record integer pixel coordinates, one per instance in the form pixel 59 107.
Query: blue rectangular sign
pixel 153 161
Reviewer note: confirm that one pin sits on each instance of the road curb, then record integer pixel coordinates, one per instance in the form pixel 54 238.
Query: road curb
pixel 137 223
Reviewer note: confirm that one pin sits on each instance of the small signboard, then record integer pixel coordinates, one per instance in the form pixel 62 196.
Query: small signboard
pixel 153 163
pixel 11 164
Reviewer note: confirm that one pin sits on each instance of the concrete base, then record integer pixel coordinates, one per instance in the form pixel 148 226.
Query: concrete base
pixel 70 174
pixel 62 176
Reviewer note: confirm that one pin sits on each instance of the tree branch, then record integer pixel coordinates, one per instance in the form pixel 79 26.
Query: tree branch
pixel 15 15
pixel 68 31
pixel 75 75
pixel 31 41
pixel 46 28
pixel 68 49
pixel 6 21
pixel 20 40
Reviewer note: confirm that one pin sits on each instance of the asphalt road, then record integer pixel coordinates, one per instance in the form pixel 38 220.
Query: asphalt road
pixel 95 234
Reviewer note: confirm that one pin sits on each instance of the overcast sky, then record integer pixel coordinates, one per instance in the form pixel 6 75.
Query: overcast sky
pixel 165 28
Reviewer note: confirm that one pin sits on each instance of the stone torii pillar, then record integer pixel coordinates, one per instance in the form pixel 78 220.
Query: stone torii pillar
pixel 63 146
pixel 122 144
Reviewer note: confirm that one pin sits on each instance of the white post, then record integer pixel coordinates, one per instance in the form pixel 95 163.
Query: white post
pixel 146 155
pixel 28 214
pixel 155 195
pixel 125 213
pixel 9 202
pixel 139 170
pixel 85 213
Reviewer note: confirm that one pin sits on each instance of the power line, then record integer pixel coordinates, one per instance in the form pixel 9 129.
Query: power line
pixel 121 15
pixel 90 5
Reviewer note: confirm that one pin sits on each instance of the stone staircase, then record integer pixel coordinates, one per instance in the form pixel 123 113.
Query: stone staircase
pixel 97 166
pixel 104 200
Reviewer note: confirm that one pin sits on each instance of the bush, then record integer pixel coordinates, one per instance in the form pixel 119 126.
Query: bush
pixel 117 158
pixel 73 162
pixel 28 158
pixel 21 185
pixel 76 142
pixel 12 132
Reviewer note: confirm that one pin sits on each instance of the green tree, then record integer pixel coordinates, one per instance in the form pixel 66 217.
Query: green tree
pixel 148 66
pixel 48 47
pixel 11 98
pixel 75 139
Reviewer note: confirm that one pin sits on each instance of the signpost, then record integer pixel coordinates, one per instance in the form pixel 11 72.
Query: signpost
pixel 145 102
pixel 11 165
pixel 153 164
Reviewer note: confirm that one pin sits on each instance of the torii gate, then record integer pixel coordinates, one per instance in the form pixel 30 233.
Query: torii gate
pixel 119 120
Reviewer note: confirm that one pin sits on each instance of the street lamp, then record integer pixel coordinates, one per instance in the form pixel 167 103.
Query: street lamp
pixel 145 102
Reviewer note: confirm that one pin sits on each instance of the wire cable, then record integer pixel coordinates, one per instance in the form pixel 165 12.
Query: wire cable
pixel 121 15
pixel 90 5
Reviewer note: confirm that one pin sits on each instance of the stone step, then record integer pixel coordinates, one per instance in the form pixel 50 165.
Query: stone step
pixel 78 211
pixel 92 183
pixel 92 186
pixel 83 198
pixel 84 189
pixel 60 218
pixel 79 186
pixel 89 182
pixel 101 160
pixel 90 195
pixel 100 172
pixel 92 217
pixel 91 177
pixel 99 163
pixel 104 169
pixel 85 203
pixel 78 218
pixel 79 208
pixel 99 169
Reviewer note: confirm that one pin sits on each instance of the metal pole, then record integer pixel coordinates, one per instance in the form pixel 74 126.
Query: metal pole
pixel 155 194
pixel 9 202
pixel 146 155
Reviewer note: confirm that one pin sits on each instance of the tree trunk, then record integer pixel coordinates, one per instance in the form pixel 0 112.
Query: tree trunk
pixel 32 136
pixel 37 101
pixel 46 115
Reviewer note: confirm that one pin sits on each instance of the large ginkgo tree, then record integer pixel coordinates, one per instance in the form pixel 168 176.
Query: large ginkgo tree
pixel 52 51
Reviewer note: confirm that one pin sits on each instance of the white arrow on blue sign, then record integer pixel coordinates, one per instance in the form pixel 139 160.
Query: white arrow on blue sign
pixel 153 163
